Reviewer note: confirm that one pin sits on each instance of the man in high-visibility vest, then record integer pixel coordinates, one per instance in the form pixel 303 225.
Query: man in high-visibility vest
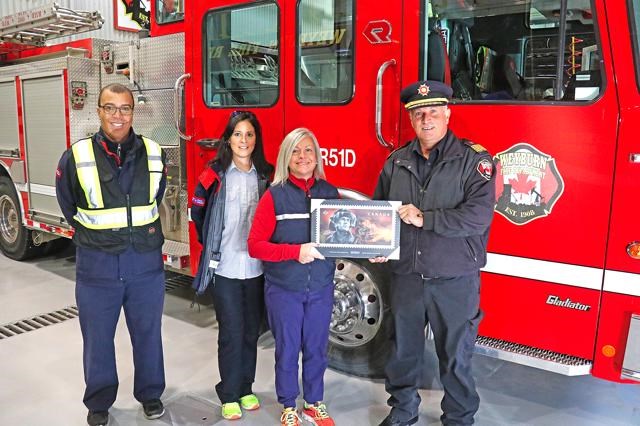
pixel 109 187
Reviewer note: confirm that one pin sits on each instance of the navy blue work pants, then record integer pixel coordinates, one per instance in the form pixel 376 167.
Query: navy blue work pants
pixel 138 288
pixel 451 306
pixel 239 306
pixel 299 321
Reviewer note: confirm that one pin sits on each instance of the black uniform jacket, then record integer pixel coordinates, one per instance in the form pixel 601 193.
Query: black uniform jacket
pixel 457 200
pixel 94 264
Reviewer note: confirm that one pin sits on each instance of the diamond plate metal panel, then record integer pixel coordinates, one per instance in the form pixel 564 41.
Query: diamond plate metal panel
pixel 175 220
pixel 154 118
pixel 184 222
pixel 37 66
pixel 158 62
pixel 84 122
pixel 173 156
pixel 33 67
pixel 120 53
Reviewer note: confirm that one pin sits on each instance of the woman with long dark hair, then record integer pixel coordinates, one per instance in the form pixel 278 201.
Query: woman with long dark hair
pixel 222 210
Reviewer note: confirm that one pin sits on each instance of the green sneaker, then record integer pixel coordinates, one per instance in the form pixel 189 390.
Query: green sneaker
pixel 250 402
pixel 231 411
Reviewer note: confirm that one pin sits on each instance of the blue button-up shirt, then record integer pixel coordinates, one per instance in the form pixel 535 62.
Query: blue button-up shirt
pixel 241 200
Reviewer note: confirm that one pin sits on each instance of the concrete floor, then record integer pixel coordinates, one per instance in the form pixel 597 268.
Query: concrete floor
pixel 41 380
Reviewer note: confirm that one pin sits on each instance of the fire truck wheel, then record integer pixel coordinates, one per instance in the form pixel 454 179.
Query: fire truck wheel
pixel 361 322
pixel 15 240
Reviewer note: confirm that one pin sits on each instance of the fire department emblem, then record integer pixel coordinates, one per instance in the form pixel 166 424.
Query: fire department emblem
pixel 485 168
pixel 423 90
pixel 528 183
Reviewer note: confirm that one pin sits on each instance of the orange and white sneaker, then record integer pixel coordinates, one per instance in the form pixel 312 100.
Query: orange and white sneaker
pixel 317 414
pixel 289 417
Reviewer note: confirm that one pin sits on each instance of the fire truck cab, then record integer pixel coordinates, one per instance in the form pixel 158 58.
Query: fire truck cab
pixel 551 88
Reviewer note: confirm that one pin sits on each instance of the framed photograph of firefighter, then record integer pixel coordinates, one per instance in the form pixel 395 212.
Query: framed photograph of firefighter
pixel 356 229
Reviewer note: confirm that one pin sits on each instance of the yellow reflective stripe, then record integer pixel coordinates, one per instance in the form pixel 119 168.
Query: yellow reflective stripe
pixel 156 168
pixel 144 215
pixel 88 172
pixel 117 218
pixel 102 219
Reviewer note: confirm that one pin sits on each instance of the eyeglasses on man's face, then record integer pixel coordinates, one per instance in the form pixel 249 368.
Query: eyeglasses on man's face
pixel 111 109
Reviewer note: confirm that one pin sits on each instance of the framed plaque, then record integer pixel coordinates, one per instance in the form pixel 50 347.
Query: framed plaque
pixel 356 229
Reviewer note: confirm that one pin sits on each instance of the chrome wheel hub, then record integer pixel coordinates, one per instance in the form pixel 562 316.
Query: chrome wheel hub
pixel 9 222
pixel 357 305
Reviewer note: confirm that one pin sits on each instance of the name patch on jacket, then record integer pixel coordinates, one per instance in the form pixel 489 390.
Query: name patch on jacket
pixel 197 201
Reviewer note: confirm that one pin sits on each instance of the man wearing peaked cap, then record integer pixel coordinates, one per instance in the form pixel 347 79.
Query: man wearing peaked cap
pixel 423 93
pixel 447 189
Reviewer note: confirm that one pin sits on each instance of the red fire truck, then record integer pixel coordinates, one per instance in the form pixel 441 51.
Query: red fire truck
pixel 550 87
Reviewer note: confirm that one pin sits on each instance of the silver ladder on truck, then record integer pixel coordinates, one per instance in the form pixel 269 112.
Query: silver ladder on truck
pixel 34 27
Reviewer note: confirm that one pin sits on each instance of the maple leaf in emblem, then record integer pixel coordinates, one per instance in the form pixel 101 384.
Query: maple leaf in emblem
pixel 522 184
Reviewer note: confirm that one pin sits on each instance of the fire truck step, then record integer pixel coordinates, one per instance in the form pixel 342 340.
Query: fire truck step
pixel 533 357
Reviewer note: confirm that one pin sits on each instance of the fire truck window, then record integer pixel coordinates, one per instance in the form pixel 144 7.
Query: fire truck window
pixel 169 11
pixel 635 8
pixel 325 51
pixel 520 61
pixel 242 56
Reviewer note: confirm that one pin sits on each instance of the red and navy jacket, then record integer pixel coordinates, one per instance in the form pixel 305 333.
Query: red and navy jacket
pixel 281 225
pixel 207 213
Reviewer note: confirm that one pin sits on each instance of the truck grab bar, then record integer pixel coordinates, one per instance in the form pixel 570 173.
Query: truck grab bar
pixel 381 71
pixel 177 104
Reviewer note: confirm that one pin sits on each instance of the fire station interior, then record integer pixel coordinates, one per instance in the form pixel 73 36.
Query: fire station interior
pixel 41 380
pixel 40 338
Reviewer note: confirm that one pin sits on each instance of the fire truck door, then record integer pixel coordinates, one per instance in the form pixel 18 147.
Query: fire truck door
pixel 233 56
pixel 342 68
pixel 621 295
pixel 45 133
pixel 235 66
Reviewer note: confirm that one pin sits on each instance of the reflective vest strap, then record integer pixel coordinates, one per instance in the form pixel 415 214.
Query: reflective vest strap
pixel 117 218
pixel 156 168
pixel 293 216
pixel 144 215
pixel 102 219
pixel 88 172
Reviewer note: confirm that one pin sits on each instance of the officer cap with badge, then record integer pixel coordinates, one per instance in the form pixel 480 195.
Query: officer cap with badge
pixel 425 93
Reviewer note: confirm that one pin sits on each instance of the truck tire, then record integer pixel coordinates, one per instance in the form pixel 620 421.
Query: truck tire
pixel 15 240
pixel 361 324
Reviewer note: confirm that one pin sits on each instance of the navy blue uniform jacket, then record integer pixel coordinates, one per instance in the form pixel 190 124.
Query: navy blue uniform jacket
pixel 457 201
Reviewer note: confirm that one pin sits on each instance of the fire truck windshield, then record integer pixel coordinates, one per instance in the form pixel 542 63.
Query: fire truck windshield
pixel 529 59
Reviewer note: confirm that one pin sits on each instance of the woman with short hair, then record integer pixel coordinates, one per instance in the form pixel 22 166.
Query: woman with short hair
pixel 298 279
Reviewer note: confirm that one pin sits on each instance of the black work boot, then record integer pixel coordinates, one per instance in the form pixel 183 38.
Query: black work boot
pixel 98 418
